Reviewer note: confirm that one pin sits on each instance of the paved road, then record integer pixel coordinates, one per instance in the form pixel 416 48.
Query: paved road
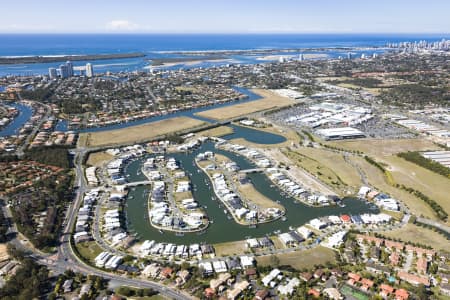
pixel 66 258
pixel 21 150
pixel 434 223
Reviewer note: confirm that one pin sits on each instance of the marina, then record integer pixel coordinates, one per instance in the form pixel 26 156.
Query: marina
pixel 223 229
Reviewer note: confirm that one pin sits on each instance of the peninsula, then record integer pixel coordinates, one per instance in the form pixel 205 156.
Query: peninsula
pixel 50 59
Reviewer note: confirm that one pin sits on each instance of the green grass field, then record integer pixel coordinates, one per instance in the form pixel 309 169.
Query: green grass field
pixel 349 292
pixel 88 250
pixel 302 259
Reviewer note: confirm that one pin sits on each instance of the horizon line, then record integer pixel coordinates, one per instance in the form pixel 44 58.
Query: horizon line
pixel 223 33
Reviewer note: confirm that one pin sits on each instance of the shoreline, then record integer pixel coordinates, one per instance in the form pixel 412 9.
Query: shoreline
pixel 228 206
pixel 170 229
pixel 5 60
pixel 267 51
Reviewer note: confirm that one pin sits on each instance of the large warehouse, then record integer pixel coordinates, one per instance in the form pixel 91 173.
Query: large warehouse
pixel 340 133
pixel 442 157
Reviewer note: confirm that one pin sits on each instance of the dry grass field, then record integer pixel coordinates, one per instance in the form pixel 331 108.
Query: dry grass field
pixel 323 172
pixel 332 166
pixel 217 131
pixel 138 133
pixel 3 252
pixel 230 248
pixel 297 172
pixel 377 179
pixel 417 234
pixel 379 147
pixel 403 172
pixel 98 158
pixel 249 192
pixel 302 259
pixel 270 100
pixel 336 162
pixel 433 185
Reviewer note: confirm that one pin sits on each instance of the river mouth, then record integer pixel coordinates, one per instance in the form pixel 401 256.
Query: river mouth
pixel 223 229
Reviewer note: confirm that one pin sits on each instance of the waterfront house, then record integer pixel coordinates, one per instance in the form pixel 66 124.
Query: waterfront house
pixel 166 273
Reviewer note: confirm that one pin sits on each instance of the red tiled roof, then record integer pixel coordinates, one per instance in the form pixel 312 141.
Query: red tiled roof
pixel 401 294
pixel 314 293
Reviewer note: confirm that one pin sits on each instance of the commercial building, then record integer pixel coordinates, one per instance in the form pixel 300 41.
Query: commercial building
pixel 340 133
pixel 64 71
pixel 89 70
pixel 69 68
pixel 52 73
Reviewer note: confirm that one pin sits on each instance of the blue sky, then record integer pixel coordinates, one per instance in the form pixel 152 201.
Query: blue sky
pixel 225 16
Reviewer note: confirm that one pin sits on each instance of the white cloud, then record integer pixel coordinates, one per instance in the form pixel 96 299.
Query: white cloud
pixel 121 25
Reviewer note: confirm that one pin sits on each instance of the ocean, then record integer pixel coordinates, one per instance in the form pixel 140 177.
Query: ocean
pixel 162 46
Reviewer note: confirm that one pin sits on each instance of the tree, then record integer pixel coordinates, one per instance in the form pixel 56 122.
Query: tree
pixel 185 265
pixel 29 282
pixel 421 292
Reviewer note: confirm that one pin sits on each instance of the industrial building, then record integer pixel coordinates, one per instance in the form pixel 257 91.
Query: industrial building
pixel 340 133
pixel 442 157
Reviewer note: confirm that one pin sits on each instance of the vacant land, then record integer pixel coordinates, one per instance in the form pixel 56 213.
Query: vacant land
pixel 230 248
pixel 297 172
pixel 270 100
pixel 88 250
pixel 249 192
pixel 98 158
pixel 3 252
pixel 385 147
pixel 138 133
pixel 217 131
pixel 317 169
pixel 336 162
pixel 377 179
pixel 417 234
pixel 431 184
pixel 182 195
pixel 302 259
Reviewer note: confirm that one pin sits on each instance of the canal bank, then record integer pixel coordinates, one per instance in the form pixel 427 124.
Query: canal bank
pixel 62 125
pixel 13 128
pixel 222 229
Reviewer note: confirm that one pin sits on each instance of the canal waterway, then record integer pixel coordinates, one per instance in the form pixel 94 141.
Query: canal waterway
pixel 223 229
pixel 13 128
pixel 249 134
pixel 62 125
